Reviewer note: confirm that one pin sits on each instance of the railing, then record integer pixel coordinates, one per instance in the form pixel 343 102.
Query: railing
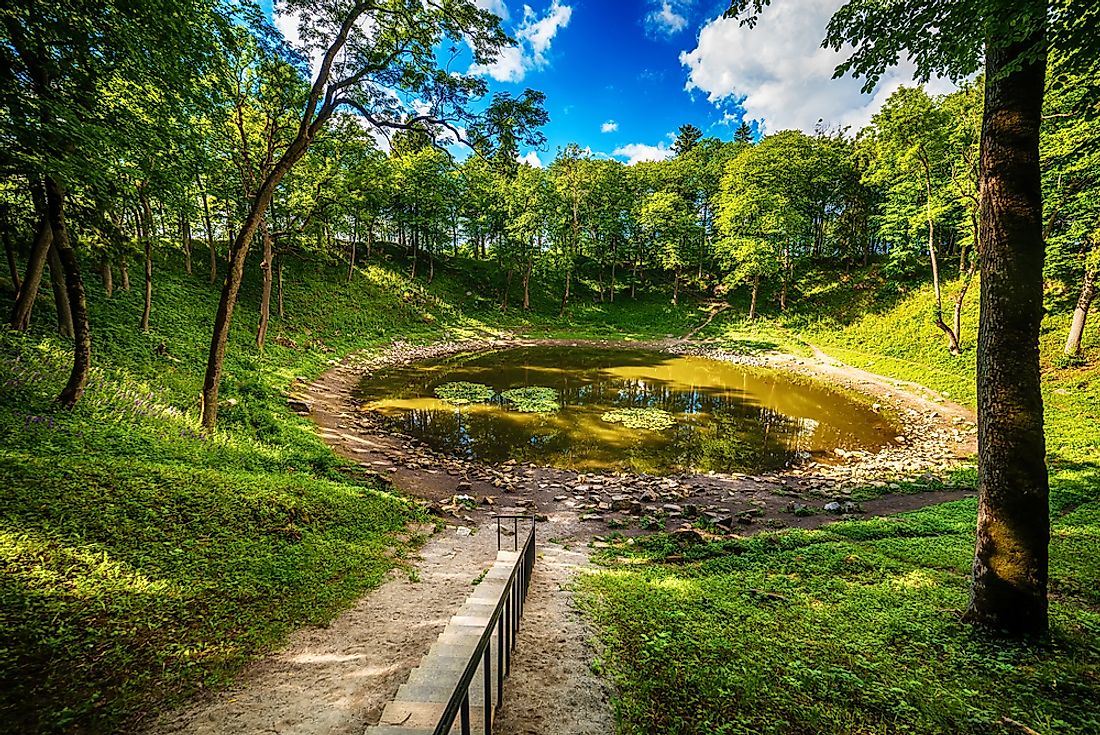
pixel 505 619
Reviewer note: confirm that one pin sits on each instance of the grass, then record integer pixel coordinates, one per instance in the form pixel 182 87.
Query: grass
pixel 855 628
pixel 143 561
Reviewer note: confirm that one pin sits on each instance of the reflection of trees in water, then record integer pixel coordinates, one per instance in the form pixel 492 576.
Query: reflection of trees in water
pixel 722 429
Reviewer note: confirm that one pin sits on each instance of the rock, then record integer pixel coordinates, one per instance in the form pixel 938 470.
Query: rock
pixel 833 507
pixel 298 405
pixel 621 502
pixel 671 508
pixel 591 517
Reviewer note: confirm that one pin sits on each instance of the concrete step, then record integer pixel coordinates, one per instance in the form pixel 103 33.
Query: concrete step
pixel 424 715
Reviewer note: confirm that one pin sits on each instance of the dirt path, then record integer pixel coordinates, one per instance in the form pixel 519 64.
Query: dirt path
pixel 552 689
pixel 336 679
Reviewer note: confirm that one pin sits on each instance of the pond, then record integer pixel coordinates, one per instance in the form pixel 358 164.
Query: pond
pixel 620 409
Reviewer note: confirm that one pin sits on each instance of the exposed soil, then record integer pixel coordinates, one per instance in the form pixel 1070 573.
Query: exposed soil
pixel 336 679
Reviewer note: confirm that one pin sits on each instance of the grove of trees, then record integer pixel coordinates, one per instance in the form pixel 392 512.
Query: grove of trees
pixel 131 130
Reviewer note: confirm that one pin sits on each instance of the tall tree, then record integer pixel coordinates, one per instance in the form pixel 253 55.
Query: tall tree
pixel 1009 589
pixel 368 50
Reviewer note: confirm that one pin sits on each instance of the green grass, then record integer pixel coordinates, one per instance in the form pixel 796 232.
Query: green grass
pixel 143 561
pixel 855 628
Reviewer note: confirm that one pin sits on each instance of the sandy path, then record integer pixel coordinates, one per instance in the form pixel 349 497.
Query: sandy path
pixel 337 679
pixel 552 689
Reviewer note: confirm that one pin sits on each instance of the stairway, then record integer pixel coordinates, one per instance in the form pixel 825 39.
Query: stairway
pixel 421 701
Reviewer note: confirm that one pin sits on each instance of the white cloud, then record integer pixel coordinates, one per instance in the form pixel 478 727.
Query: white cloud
pixel 531 158
pixel 496 7
pixel 609 127
pixel 779 73
pixel 637 152
pixel 665 19
pixel 533 38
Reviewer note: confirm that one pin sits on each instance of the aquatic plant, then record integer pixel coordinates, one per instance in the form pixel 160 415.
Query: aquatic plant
pixel 533 399
pixel 654 419
pixel 462 392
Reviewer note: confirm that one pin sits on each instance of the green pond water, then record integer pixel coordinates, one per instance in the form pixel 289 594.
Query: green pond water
pixel 710 415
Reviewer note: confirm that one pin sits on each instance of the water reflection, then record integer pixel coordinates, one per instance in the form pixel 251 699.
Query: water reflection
pixel 728 418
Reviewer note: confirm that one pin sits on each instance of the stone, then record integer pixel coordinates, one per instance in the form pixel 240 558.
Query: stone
pixel 833 507
pixel 298 405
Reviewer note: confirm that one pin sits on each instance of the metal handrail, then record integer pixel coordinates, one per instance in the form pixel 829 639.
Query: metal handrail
pixel 505 618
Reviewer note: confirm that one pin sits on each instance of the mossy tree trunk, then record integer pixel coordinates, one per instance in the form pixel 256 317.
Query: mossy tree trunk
pixel 1009 591
pixel 60 294
pixel 74 285
pixel 36 264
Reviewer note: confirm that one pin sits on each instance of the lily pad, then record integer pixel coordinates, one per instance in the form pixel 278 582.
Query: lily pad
pixel 654 419
pixel 533 399
pixel 462 392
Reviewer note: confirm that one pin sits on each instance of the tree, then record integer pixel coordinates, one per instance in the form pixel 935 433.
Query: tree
pixel 1071 183
pixel 82 77
pixel 369 51
pixel 686 138
pixel 1009 589
pixel 743 134
pixel 909 139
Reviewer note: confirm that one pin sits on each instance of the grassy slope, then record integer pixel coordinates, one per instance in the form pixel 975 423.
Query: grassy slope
pixel 143 561
pixel 865 633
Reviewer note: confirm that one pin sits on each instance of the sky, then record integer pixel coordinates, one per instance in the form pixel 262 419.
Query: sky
pixel 621 76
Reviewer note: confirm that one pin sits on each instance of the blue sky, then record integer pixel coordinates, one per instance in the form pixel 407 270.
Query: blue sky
pixel 621 76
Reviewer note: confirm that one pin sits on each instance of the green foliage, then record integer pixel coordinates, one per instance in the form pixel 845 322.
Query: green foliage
pixel 856 627
pixel 533 399
pixel 650 419
pixel 462 392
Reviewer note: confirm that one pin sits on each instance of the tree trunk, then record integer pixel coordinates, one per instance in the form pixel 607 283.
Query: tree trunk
pixel 108 277
pixel 507 288
pixel 209 226
pixel 60 296
pixel 527 284
pixel 565 295
pixel 1009 591
pixel 614 261
pixel 185 235
pixel 36 264
pixel 960 298
pixel 13 269
pixel 676 288
pixel 755 294
pixel 351 261
pixel 147 238
pixel 282 311
pixel 124 273
pixel 78 302
pixel 265 294
pixel 223 319
pixel 1080 314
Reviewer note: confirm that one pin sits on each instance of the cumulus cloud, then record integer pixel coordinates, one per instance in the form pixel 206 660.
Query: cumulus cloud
pixel 779 74
pixel 609 127
pixel 496 7
pixel 665 19
pixel 637 152
pixel 531 158
pixel 533 36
